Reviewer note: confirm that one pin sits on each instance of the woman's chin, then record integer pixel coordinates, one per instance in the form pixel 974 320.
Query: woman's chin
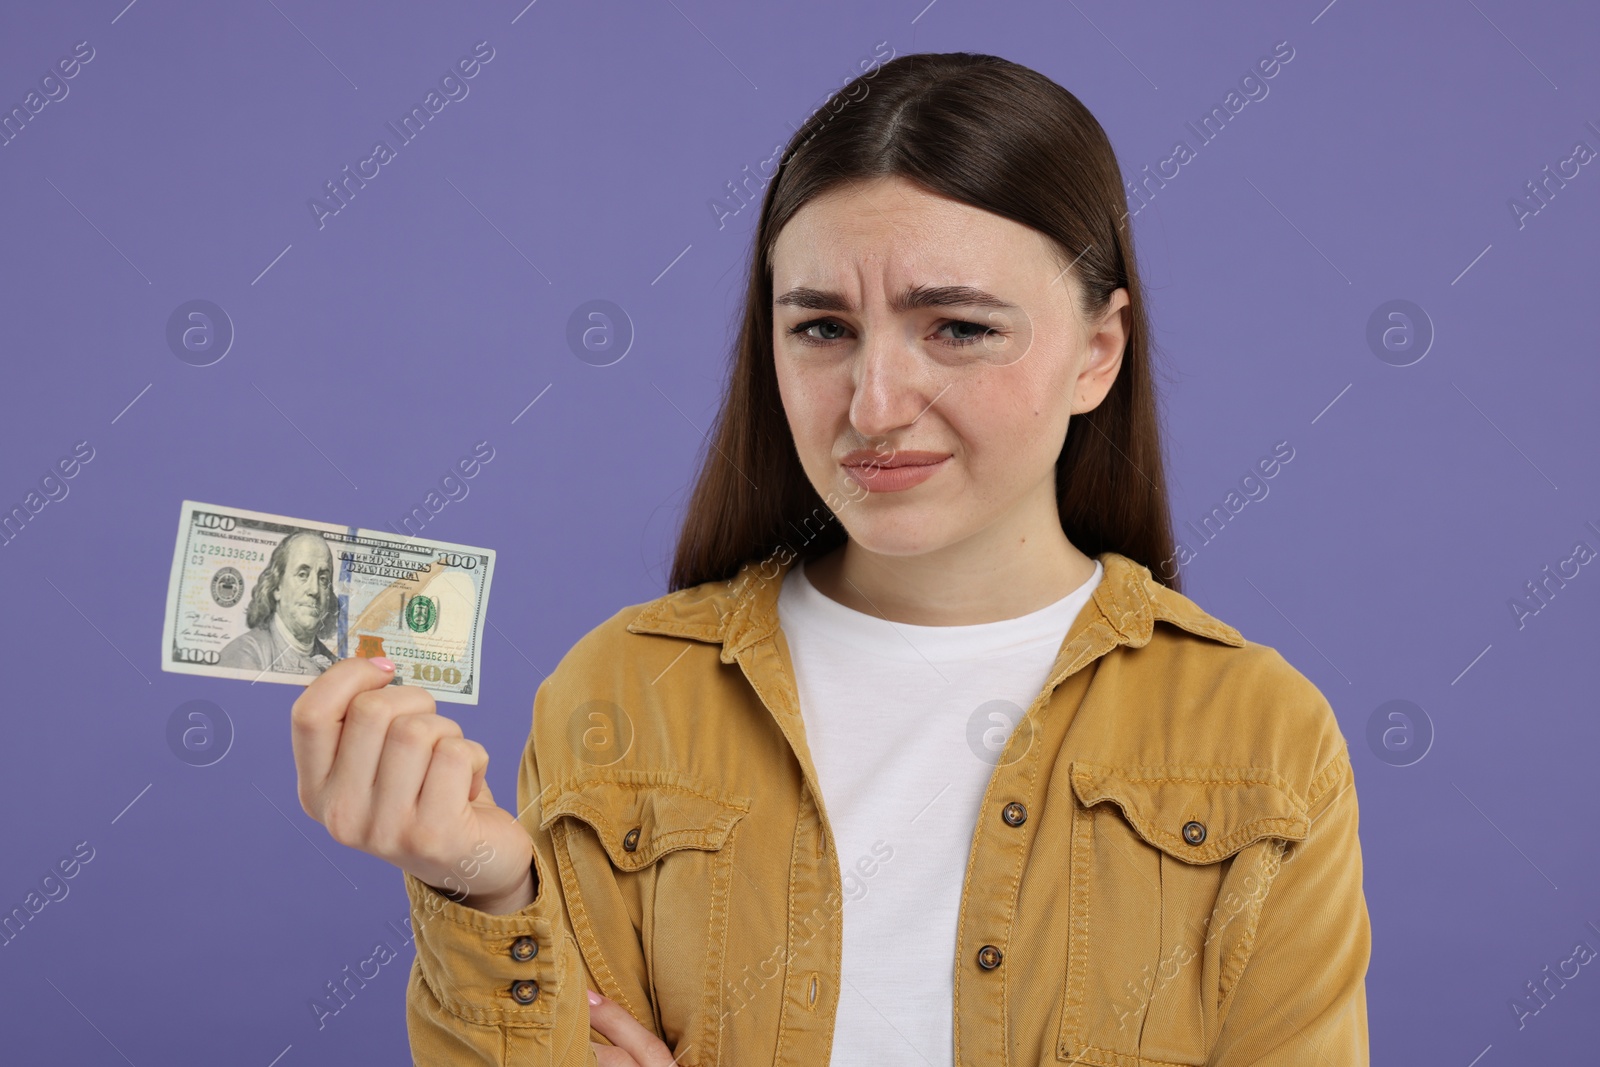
pixel 902 537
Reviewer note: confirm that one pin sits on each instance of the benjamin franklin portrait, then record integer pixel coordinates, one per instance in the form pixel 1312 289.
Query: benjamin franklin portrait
pixel 291 607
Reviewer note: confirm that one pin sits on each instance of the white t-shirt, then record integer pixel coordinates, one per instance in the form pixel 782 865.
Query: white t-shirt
pixel 906 725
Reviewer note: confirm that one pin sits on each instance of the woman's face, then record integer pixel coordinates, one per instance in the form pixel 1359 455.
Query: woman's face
pixel 909 328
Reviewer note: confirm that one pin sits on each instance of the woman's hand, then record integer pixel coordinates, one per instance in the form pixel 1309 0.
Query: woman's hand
pixel 631 1044
pixel 386 774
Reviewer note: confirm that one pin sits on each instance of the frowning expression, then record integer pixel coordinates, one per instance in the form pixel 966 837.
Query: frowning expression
pixel 929 355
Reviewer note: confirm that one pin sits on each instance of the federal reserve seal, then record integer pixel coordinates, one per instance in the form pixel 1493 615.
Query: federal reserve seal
pixel 227 586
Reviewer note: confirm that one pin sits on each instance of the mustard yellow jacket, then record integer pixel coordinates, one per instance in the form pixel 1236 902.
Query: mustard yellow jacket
pixel 1165 869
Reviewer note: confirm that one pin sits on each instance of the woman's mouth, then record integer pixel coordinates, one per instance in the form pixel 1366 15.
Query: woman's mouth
pixel 895 472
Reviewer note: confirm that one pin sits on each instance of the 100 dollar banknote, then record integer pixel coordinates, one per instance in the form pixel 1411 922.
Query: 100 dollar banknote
pixel 272 599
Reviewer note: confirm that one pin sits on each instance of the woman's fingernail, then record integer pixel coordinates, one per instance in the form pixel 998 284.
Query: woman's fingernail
pixel 594 998
pixel 383 663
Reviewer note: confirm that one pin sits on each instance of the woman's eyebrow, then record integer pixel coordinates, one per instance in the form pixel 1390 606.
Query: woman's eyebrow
pixel 918 296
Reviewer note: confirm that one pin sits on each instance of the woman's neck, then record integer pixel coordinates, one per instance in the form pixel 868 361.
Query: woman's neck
pixel 956 586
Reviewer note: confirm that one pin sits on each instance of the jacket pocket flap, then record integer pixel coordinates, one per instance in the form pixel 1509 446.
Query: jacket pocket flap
pixel 1229 807
pixel 639 822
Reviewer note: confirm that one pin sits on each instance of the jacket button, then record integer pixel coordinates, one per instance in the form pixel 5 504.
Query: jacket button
pixel 630 840
pixel 524 991
pixel 1194 832
pixel 988 957
pixel 1014 814
pixel 524 949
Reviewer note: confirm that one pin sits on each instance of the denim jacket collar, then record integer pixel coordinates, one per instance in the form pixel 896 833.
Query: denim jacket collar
pixel 1123 610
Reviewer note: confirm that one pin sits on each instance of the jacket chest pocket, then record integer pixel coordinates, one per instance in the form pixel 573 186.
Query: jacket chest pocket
pixel 646 865
pixel 1170 866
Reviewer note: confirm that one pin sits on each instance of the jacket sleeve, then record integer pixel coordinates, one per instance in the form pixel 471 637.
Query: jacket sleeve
pixel 460 1005
pixel 1301 998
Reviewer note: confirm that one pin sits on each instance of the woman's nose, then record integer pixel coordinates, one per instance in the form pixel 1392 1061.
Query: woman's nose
pixel 893 385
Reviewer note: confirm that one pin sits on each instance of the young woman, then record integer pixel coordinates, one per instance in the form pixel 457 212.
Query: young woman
pixel 924 758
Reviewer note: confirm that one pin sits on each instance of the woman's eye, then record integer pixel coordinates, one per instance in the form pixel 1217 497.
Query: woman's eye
pixel 803 331
pixel 960 338
pixel 966 333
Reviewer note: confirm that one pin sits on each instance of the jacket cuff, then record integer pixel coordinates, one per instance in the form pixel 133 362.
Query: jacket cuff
pixel 495 969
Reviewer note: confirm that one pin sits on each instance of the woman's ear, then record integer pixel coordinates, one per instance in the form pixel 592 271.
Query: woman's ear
pixel 1107 341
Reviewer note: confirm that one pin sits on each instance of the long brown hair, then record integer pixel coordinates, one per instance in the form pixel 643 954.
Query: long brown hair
pixel 999 136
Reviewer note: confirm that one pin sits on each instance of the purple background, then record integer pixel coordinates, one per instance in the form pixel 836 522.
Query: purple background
pixel 431 310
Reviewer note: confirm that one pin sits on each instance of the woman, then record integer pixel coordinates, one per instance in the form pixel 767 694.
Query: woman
pixel 924 758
